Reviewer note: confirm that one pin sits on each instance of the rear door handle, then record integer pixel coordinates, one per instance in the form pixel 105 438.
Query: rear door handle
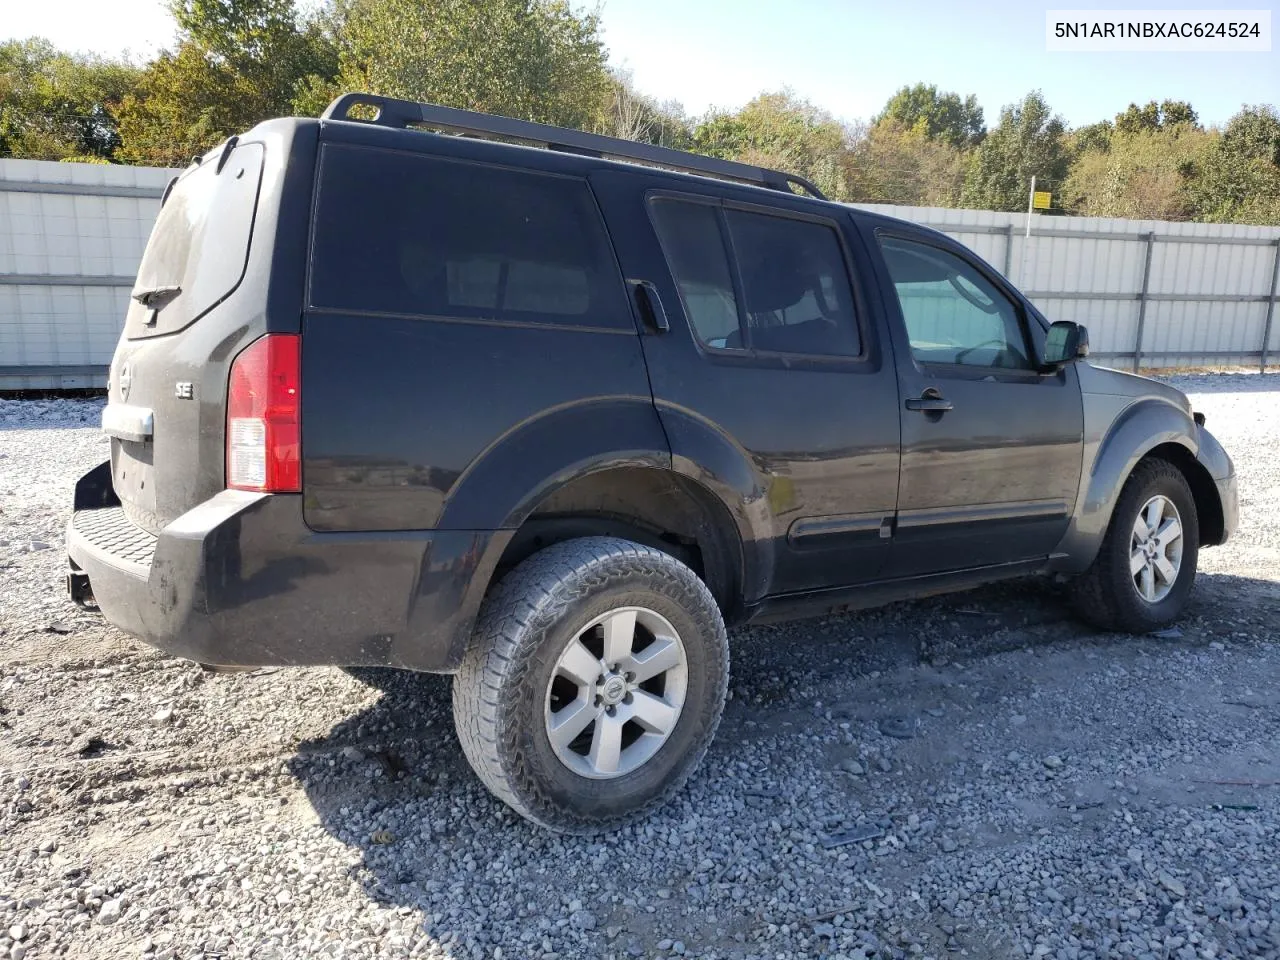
pixel 650 305
pixel 931 401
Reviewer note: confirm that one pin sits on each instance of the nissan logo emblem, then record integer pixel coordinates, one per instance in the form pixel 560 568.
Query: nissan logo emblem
pixel 126 379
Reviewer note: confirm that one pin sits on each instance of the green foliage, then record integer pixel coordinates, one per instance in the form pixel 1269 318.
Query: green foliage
pixel 936 116
pixel 782 131
pixel 1095 136
pixel 1156 116
pixel 55 105
pixel 1239 180
pixel 1029 141
pixel 1139 119
pixel 1254 133
pixel 1178 113
pixel 529 59
pixel 891 163
pixel 238 62
pixel 1142 175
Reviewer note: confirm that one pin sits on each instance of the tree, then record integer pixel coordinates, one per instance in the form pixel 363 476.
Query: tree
pixel 1178 113
pixel 1142 175
pixel 633 116
pixel 1239 181
pixel 779 130
pixel 890 163
pixel 937 116
pixel 528 59
pixel 238 62
pixel 55 106
pixel 1029 141
pixel 1137 119
pixel 1094 136
pixel 1156 116
pixel 1254 133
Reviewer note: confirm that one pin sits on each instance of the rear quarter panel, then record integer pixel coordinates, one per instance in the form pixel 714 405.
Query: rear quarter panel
pixel 402 415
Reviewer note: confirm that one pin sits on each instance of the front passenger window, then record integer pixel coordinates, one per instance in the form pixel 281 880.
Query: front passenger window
pixel 953 314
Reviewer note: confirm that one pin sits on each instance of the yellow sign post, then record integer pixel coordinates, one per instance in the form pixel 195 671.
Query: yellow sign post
pixel 1041 200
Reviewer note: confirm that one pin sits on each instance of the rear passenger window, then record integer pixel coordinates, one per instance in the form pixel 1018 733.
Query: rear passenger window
pixel 412 234
pixel 795 288
pixel 794 294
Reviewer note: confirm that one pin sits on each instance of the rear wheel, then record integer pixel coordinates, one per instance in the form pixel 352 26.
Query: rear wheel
pixel 1142 577
pixel 594 685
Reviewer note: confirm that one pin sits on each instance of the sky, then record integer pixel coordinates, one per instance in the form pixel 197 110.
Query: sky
pixel 847 56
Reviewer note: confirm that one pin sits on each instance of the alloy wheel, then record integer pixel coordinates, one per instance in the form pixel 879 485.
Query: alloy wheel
pixel 616 693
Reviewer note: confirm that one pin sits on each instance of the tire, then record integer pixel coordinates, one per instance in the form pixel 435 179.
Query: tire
pixel 1108 595
pixel 514 686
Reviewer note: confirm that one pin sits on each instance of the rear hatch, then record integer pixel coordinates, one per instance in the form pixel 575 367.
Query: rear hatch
pixel 190 311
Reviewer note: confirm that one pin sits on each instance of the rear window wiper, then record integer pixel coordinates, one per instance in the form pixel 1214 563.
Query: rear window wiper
pixel 155 297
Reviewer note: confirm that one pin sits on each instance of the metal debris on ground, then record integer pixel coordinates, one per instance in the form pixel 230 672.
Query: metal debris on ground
pixel 856 835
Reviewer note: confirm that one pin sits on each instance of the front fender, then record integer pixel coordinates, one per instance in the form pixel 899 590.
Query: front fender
pixel 1119 432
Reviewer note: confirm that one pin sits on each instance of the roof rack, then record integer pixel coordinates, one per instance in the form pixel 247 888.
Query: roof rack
pixel 390 112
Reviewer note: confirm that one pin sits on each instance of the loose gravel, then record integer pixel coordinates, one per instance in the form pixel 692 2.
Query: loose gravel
pixel 976 775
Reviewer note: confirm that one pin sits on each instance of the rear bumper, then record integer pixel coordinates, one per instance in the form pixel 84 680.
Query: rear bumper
pixel 240 580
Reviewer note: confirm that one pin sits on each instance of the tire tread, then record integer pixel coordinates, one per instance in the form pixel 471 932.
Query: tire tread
pixel 1101 595
pixel 513 620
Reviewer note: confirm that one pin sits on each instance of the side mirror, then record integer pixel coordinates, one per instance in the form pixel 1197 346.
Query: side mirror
pixel 1065 341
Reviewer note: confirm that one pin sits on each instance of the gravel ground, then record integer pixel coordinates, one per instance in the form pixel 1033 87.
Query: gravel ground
pixel 976 775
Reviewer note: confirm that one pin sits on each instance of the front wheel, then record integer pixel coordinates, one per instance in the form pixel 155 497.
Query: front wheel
pixel 594 684
pixel 1142 577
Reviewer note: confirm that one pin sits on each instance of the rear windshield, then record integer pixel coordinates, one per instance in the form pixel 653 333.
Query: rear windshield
pixel 199 245
pixel 410 234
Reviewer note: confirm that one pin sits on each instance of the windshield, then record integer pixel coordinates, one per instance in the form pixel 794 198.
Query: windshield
pixel 199 244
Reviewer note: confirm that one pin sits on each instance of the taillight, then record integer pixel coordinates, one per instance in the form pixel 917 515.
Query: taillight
pixel 264 423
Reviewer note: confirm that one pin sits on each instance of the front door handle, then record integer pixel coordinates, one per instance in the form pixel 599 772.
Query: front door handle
pixel 931 401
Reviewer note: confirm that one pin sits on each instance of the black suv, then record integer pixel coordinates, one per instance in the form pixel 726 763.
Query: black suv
pixel 548 421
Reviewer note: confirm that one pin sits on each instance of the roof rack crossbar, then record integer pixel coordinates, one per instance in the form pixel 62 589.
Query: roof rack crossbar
pixel 400 114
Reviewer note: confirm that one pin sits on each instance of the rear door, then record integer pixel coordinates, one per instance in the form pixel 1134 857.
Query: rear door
pixel 991 447
pixel 771 349
pixel 167 384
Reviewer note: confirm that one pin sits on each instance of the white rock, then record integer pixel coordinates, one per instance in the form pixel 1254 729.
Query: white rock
pixel 110 911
